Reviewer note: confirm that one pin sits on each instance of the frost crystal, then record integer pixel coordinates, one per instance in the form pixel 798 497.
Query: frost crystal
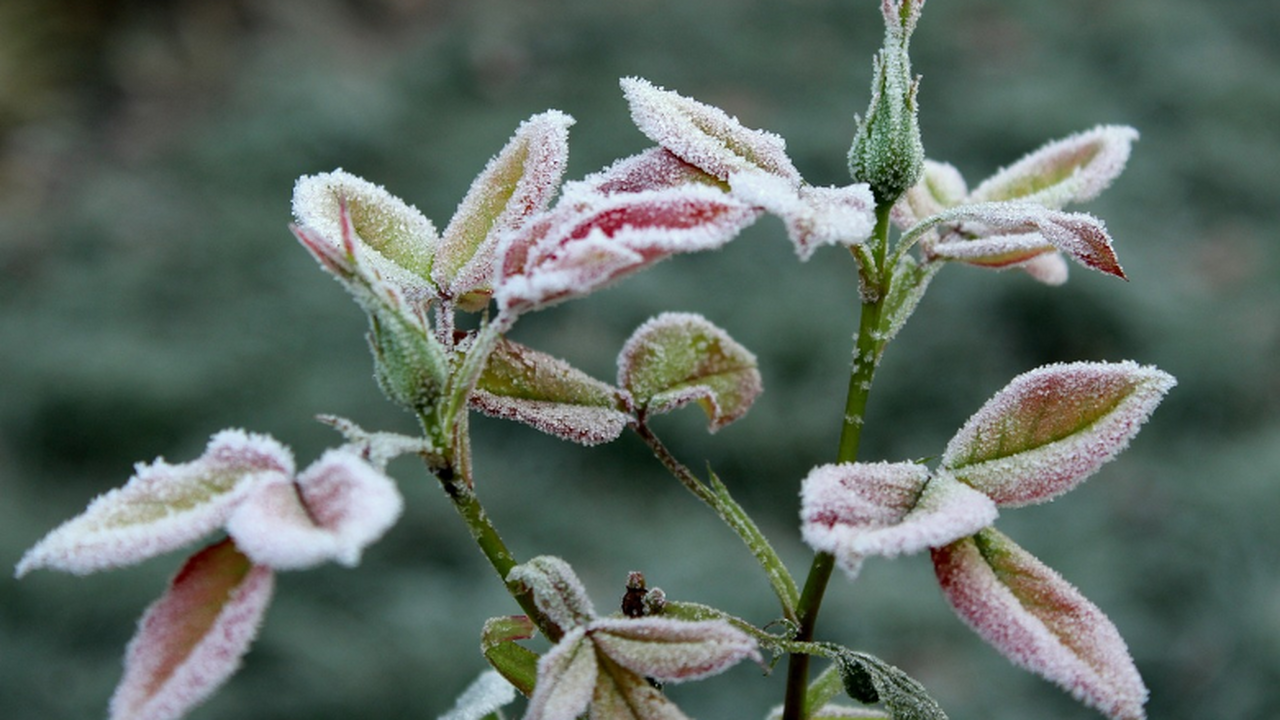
pixel 1040 622
pixel 482 698
pixel 1051 428
pixel 653 169
pixel 814 216
pixel 1073 169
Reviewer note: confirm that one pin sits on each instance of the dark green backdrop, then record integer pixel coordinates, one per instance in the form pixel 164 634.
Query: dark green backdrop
pixel 151 295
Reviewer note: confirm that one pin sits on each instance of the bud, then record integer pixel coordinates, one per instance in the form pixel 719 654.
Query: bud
pixel 887 152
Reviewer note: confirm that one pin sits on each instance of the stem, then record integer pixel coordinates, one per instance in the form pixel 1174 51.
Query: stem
pixel 866 357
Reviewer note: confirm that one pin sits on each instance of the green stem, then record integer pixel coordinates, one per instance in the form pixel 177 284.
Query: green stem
pixel 866 357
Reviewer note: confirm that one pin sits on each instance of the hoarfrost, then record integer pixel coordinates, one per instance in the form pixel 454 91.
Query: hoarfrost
pixel 1040 622
pixel 582 424
pixel 487 694
pixel 556 590
pixel 1053 427
pixel 566 679
pixel 673 650
pixel 814 216
pixel 653 169
pixel 1074 169
pixel 190 641
pixel 163 507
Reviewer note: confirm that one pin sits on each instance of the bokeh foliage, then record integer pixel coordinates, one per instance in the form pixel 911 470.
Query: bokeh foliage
pixel 151 295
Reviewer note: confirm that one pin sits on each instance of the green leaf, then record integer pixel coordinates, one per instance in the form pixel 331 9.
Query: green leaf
pixel 870 680
pixel 678 358
pixel 523 384
pixel 516 663
pixel 410 365
pixel 907 286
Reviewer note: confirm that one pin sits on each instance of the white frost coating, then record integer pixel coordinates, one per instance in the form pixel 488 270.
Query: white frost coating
pixel 997 251
pixel 557 591
pixel 940 186
pixel 1079 235
pixel 814 216
pixel 673 650
pixel 584 424
pixel 703 135
pixel 487 694
pixel 378 448
pixel 854 510
pixel 1050 268
pixel 336 508
pixel 653 169
pixel 515 184
pixel 1053 427
pixel 590 240
pixel 1074 169
pixel 566 679
pixel 167 670
pixel 1040 622
pixel 163 507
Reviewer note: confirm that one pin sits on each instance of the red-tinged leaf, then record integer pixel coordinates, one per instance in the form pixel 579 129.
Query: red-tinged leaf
pixel 332 512
pixel 163 507
pixel 678 358
pixel 1051 428
pixel 1049 268
pixel 1073 169
pixel 566 679
pixel 673 650
pixel 705 136
pixel 523 384
pixel 591 240
pixel 653 169
pixel 191 640
pixel 1040 622
pixel 853 510
pixel 940 186
pixel 556 591
pixel 814 216
pixel 377 232
pixel 516 663
pixel 621 694
pixel 517 183
pixel 994 251
pixel 1081 236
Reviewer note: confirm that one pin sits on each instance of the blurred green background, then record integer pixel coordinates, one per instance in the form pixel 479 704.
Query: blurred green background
pixel 151 295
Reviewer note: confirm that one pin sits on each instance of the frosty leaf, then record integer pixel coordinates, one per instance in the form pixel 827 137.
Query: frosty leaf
pixel 814 216
pixel 1040 622
pixel 1073 169
pixel 653 169
pixel 410 364
pixel 486 695
pixel 336 508
pixel 1049 268
pixel 556 590
pixel 590 240
pixel 996 251
pixel 705 136
pixel 191 640
pixel 853 510
pixel 678 358
pixel 623 695
pixel 517 183
pixel 869 679
pixel 163 507
pixel 940 186
pixel 1081 236
pixel 673 650
pixel 1051 428
pixel 353 219
pixel 566 679
pixel 377 448
pixel 516 663
pixel 520 383
pixel 907 285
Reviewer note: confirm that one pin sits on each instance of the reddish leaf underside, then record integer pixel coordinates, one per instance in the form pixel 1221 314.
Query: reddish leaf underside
pixel 191 640
pixel 1040 622
pixel 672 650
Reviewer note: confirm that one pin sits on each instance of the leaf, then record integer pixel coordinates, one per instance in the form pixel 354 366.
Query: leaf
pixel 623 695
pixel 653 169
pixel 410 364
pixel 566 679
pixel 853 510
pixel 677 358
pixel 191 640
pixel 523 384
pixel 517 183
pixel 1073 169
pixel 163 507
pixel 705 136
pixel 1051 428
pixel 907 285
pixel 516 663
pixel 1040 622
pixel 486 695
pixel 352 218
pixel 868 679
pixel 994 251
pixel 556 590
pixel 589 240
pixel 814 216
pixel 336 508
pixel 672 650
pixel 940 186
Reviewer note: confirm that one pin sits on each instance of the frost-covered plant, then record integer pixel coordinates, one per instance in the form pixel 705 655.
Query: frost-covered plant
pixel 522 241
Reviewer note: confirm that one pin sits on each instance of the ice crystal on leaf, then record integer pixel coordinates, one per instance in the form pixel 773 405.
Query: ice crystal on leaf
pixel 191 640
pixel 853 510
pixel 1040 622
pixel 1052 427
pixel 523 384
pixel 814 216
pixel 519 182
pixel 605 664
pixel 1074 169
pixel 485 696
pixel 163 507
pixel 589 240
pixel 678 358
pixel 653 169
